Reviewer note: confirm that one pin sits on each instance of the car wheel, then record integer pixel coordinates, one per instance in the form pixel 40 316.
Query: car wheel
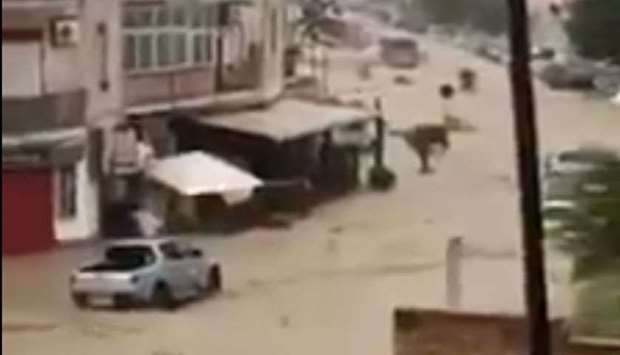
pixel 80 300
pixel 215 279
pixel 162 297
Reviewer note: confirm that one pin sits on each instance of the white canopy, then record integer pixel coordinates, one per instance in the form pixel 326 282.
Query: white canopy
pixel 198 173
pixel 616 99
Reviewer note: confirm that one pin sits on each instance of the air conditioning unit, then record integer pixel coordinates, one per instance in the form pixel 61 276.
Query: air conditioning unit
pixel 65 32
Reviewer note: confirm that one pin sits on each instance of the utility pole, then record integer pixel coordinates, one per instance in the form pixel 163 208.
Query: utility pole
pixel 527 150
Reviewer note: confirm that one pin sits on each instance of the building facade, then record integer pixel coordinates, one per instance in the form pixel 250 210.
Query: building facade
pixel 186 59
pixel 61 96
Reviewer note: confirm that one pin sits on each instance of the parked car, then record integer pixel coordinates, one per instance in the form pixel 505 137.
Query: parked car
pixel 565 76
pixel 579 160
pixel 161 272
pixel 400 50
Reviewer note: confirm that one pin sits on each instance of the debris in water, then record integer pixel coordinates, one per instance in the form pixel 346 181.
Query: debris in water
pixel 403 80
pixel 285 321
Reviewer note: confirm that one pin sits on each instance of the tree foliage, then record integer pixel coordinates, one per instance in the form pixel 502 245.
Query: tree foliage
pixel 594 28
pixel 490 16
pixel 595 246
pixel 314 14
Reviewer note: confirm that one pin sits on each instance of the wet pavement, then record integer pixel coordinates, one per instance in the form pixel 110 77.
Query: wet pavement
pixel 330 283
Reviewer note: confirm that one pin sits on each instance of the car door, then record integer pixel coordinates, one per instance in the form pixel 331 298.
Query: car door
pixel 193 266
pixel 174 268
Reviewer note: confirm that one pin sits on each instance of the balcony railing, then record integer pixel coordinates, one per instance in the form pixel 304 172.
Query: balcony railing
pixel 46 112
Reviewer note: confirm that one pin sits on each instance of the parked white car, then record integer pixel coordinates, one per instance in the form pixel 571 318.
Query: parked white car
pixel 579 160
pixel 158 271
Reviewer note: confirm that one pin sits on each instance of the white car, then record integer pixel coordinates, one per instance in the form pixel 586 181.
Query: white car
pixel 158 271
pixel 579 160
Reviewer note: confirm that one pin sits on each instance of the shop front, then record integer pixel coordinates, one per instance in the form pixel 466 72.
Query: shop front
pixel 304 151
pixel 47 196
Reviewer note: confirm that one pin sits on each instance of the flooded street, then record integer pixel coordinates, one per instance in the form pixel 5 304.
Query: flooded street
pixel 329 284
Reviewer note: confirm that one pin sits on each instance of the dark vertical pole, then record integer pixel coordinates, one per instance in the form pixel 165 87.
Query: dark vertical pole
pixel 527 149
pixel 380 135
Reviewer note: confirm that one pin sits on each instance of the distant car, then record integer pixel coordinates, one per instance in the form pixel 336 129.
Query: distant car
pixel 400 50
pixel 492 53
pixel 580 160
pixel 568 76
pixel 161 272
pixel 543 53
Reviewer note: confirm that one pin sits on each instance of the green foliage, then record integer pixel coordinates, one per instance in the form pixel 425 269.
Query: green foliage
pixel 594 28
pixel 446 12
pixel 596 245
pixel 489 16
pixel 314 14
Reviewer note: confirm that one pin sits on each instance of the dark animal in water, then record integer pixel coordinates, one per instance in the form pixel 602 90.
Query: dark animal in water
pixel 422 139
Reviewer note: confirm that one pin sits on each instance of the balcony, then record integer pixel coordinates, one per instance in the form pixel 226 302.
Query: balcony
pixel 47 112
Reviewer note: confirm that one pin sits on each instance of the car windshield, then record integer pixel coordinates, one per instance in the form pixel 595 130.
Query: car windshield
pixel 130 256
pixel 589 157
pixel 399 43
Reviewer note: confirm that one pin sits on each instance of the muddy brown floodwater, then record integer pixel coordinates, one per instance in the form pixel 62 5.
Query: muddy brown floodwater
pixel 329 284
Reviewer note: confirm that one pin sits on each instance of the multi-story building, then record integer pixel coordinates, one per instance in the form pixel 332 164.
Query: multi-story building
pixel 181 55
pixel 92 89
pixel 184 59
pixel 61 95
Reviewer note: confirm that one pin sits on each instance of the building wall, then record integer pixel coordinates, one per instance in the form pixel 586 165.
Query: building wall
pixel 273 30
pixel 144 89
pixel 421 332
pixel 36 67
pixel 21 69
pixel 100 60
pixel 262 27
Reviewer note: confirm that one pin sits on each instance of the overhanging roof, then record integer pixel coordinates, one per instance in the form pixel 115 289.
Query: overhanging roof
pixel 198 173
pixel 239 2
pixel 288 119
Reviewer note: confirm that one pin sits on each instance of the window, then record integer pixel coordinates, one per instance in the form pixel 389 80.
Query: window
pixel 180 48
pixel 125 258
pixel 129 52
pixel 274 31
pixel 171 251
pixel 161 37
pixel 66 192
pixel 203 48
pixel 145 51
pixel 164 50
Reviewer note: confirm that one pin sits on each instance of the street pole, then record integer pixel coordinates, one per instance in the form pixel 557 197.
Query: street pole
pixel 527 150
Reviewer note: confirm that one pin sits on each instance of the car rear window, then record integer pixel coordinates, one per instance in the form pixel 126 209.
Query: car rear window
pixel 134 256
pixel 589 157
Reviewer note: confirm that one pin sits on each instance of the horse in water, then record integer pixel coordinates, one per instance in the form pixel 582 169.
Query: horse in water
pixel 424 139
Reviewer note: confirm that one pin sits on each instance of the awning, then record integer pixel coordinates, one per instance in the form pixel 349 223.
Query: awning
pixel 198 173
pixel 55 148
pixel 288 119
pixel 616 99
pixel 231 2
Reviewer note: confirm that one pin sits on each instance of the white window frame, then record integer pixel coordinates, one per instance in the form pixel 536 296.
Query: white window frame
pixel 187 30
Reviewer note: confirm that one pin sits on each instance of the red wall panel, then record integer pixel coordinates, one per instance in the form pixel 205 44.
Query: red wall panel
pixel 27 211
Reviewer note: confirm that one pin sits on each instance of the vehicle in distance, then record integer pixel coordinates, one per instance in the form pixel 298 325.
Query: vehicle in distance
pixel 580 160
pixel 399 50
pixel 161 272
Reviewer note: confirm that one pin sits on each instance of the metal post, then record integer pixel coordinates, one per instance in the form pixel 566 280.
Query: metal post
pixel 527 152
pixel 454 273
pixel 380 135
